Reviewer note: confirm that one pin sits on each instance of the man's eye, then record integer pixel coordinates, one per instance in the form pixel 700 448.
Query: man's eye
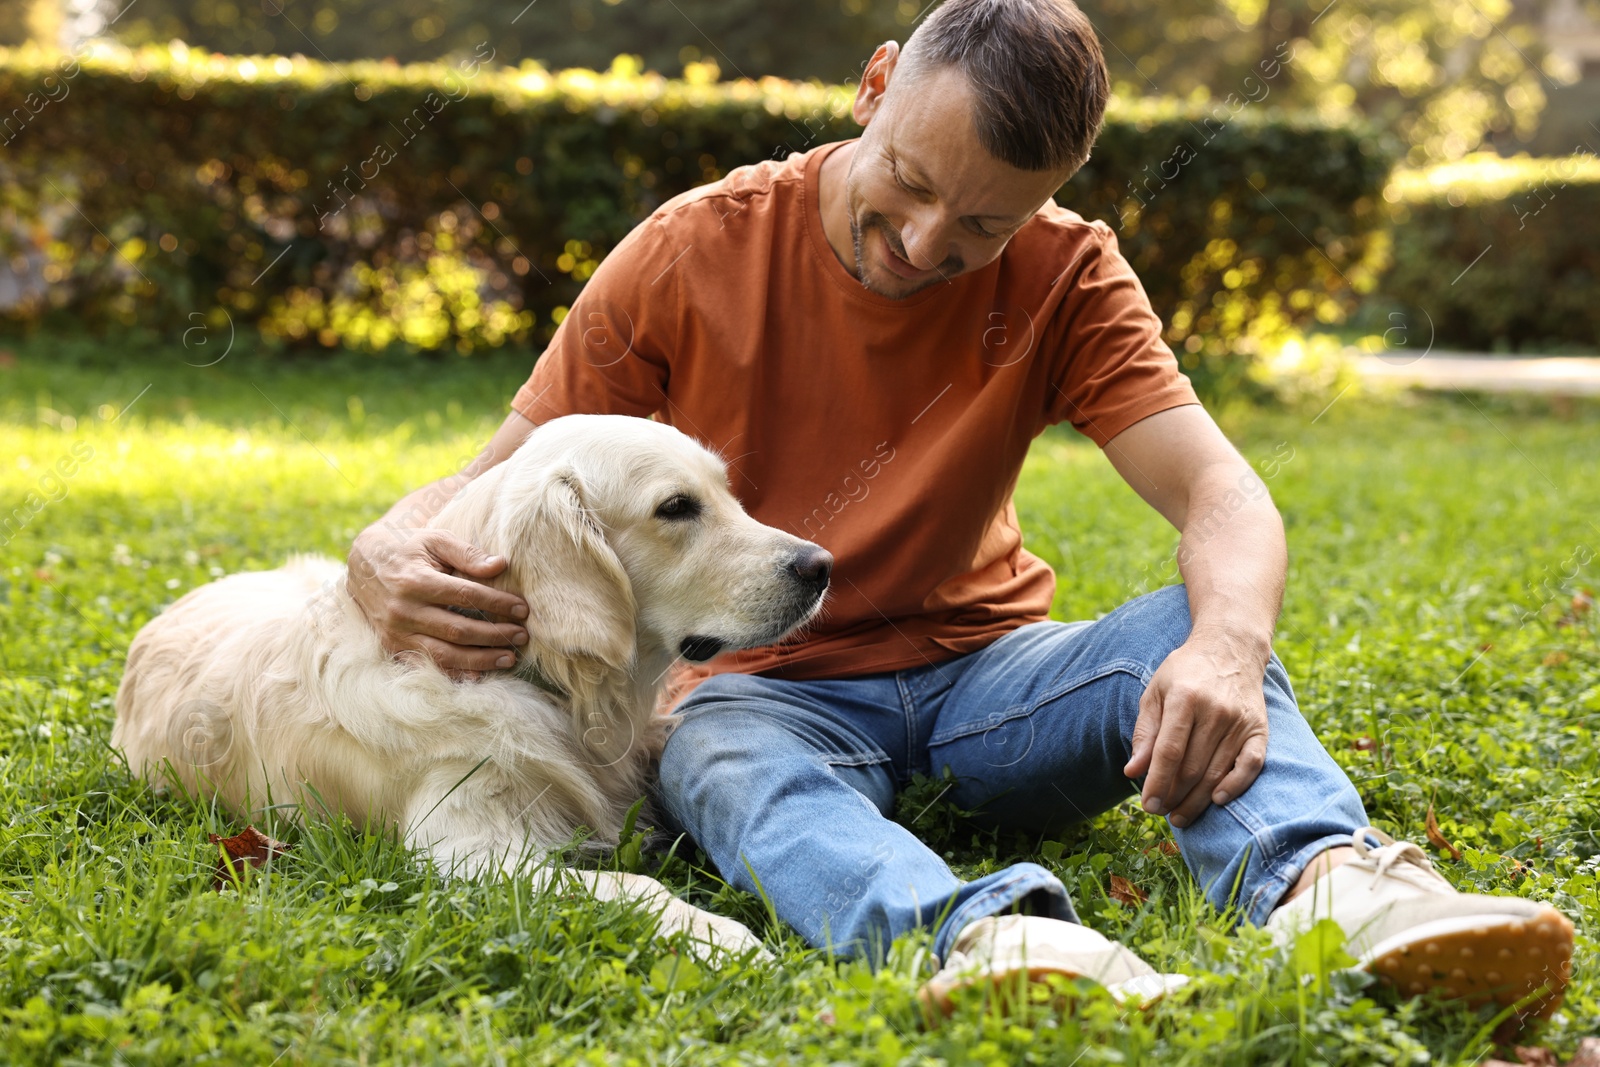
pixel 678 507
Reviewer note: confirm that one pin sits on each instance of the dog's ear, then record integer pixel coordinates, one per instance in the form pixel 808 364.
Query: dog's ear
pixel 580 602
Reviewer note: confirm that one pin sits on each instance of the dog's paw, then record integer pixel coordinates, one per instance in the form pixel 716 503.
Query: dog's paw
pixel 713 938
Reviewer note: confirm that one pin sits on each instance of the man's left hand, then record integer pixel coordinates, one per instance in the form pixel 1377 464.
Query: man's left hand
pixel 1201 736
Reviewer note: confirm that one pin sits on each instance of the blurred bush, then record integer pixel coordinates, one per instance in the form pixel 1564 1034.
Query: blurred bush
pixel 461 206
pixel 826 39
pixel 1499 252
pixel 1445 76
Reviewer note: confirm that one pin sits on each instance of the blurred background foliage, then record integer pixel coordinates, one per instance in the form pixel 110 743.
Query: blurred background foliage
pixel 1244 164
pixel 459 207
pixel 1448 76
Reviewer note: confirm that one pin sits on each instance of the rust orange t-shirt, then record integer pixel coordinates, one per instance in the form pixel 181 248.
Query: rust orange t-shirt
pixel 891 432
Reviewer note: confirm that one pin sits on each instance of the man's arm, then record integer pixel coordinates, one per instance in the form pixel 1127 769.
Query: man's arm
pixel 1201 736
pixel 403 576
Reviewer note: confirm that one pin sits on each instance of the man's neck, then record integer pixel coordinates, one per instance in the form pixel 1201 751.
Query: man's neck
pixel 835 209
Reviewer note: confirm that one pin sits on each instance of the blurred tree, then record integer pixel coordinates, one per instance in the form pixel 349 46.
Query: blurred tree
pixel 22 21
pixel 828 39
pixel 1443 76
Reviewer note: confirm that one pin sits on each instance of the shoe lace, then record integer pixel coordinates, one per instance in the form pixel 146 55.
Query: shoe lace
pixel 1419 871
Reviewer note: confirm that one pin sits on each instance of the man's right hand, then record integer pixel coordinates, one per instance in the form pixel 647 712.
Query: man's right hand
pixel 405 582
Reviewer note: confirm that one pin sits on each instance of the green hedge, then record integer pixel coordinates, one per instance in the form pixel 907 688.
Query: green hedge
pixel 1500 253
pixel 205 189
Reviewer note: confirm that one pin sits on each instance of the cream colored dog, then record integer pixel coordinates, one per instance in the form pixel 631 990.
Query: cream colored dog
pixel 622 536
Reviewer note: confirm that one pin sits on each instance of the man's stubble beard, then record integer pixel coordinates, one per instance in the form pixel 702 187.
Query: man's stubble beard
pixel 858 233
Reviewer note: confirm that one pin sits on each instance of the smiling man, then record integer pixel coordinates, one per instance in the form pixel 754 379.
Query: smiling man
pixel 874 332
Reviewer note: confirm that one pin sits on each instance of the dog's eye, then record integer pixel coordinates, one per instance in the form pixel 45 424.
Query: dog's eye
pixel 678 507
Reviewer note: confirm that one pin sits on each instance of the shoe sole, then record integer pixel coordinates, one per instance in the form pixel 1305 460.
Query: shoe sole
pixel 1505 961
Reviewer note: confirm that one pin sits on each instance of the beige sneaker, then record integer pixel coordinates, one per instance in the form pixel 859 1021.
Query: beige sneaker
pixel 1408 925
pixel 1002 948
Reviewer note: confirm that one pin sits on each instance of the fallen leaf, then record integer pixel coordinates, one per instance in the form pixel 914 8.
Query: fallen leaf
pixel 7 359
pixel 1555 659
pixel 1437 839
pixel 1125 892
pixel 1363 744
pixel 1582 601
pixel 1536 1057
pixel 252 847
pixel 1166 848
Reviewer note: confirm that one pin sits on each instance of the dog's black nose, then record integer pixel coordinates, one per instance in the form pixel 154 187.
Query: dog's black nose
pixel 812 566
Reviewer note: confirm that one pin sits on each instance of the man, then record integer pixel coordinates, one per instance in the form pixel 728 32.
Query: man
pixel 874 331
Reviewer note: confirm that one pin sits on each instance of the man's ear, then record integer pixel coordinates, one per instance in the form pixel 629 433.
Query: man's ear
pixel 874 82
pixel 580 602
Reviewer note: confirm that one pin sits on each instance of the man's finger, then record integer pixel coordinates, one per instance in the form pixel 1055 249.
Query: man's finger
pixel 464 557
pixel 464 633
pixel 1166 755
pixel 1144 732
pixel 1197 798
pixel 1246 768
pixel 453 658
pixel 447 590
pixel 1207 756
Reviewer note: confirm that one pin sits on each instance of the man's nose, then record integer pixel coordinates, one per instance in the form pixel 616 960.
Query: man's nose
pixel 925 237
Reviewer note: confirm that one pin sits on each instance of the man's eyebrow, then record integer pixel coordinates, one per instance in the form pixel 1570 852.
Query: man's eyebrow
pixel 915 176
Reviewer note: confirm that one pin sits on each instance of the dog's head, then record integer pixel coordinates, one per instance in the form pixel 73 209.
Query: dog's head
pixel 623 536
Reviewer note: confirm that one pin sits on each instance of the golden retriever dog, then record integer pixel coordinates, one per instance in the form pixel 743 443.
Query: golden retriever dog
pixel 624 539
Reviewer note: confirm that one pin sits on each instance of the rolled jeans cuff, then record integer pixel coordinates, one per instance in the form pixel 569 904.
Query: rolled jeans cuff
pixel 1282 877
pixel 998 894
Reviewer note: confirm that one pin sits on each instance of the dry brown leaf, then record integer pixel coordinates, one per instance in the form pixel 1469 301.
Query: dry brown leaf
pixel 1437 839
pixel 1582 601
pixel 1555 659
pixel 1363 744
pixel 251 847
pixel 1125 892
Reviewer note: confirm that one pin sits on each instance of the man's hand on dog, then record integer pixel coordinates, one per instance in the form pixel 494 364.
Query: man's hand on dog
pixel 1201 736
pixel 407 583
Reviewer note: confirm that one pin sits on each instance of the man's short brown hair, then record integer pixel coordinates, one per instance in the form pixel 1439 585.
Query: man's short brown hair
pixel 1036 69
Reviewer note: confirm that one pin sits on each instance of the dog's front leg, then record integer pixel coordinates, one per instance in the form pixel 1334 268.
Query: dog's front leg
pixel 710 934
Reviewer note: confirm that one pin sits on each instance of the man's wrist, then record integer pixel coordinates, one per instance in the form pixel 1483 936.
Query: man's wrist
pixel 1246 640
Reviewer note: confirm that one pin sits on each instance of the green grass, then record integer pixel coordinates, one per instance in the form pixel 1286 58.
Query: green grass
pixel 1436 550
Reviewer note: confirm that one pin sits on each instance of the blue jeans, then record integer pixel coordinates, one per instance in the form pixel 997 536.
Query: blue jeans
pixel 791 782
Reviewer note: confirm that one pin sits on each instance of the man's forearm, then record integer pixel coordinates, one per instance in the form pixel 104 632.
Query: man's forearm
pixel 417 508
pixel 1233 559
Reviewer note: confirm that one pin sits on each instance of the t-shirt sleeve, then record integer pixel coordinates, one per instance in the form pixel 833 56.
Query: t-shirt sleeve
pixel 1113 367
pixel 612 353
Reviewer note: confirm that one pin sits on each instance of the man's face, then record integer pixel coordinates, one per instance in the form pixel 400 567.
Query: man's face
pixel 927 201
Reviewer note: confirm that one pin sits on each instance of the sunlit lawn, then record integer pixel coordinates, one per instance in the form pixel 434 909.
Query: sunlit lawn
pixel 1430 629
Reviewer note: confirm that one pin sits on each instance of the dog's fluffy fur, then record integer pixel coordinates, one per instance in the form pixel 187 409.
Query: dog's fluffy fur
pixel 273 686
